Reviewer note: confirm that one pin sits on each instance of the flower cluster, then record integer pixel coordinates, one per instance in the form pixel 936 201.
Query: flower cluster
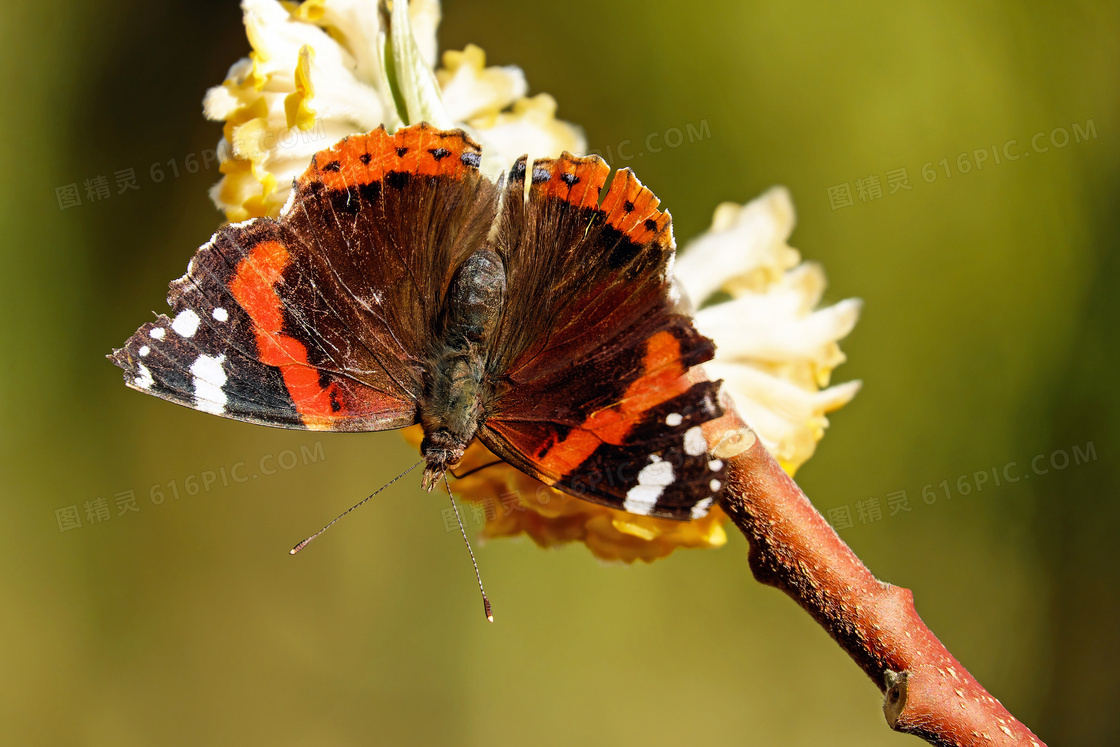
pixel 774 349
pixel 324 69
pixel 319 71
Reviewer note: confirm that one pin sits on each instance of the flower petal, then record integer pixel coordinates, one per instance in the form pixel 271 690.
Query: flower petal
pixel 774 348
pixel 788 418
pixel 530 128
pixel 470 89
pixel 743 241
pixel 756 326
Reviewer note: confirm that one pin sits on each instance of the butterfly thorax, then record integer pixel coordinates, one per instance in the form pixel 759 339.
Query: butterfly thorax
pixel 455 391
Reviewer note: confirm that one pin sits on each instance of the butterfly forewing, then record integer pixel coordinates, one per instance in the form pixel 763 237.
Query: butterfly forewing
pixel 319 319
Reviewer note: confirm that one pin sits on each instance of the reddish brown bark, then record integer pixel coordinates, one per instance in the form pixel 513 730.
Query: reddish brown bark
pixel 927 692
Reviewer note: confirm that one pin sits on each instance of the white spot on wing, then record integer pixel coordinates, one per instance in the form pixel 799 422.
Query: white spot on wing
pixel 674 419
pixel 220 314
pixel 157 333
pixel 144 380
pixel 700 510
pixel 694 443
pixel 209 378
pixel 144 350
pixel 186 323
pixel 652 481
pixel 715 485
pixel 715 465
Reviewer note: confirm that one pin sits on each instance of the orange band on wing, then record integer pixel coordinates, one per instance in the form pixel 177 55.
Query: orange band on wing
pixel 367 158
pixel 253 287
pixel 661 380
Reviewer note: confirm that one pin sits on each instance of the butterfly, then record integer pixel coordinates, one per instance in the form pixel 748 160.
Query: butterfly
pixel 400 285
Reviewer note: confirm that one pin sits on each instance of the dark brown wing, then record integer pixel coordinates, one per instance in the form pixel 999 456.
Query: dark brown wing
pixel 320 319
pixel 592 351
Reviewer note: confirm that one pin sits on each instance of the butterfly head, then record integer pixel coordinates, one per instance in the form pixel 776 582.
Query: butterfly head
pixel 442 451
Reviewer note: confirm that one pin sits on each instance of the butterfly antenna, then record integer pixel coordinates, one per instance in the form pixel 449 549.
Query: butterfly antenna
pixel 307 541
pixel 485 601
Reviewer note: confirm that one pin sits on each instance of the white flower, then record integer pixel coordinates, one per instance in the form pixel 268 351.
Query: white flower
pixel 329 68
pixel 774 349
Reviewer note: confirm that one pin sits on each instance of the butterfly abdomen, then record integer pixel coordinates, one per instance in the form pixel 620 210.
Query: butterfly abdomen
pixel 452 406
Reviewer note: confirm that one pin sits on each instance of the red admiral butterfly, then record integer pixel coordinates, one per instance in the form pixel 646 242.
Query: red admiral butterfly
pixel 399 286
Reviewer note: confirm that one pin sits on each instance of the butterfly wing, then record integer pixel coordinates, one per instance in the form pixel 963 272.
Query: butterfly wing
pixel 592 350
pixel 320 319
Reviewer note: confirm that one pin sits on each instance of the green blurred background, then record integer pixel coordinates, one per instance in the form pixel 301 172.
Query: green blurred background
pixel 988 337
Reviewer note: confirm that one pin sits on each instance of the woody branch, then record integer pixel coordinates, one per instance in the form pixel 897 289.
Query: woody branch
pixel 927 692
